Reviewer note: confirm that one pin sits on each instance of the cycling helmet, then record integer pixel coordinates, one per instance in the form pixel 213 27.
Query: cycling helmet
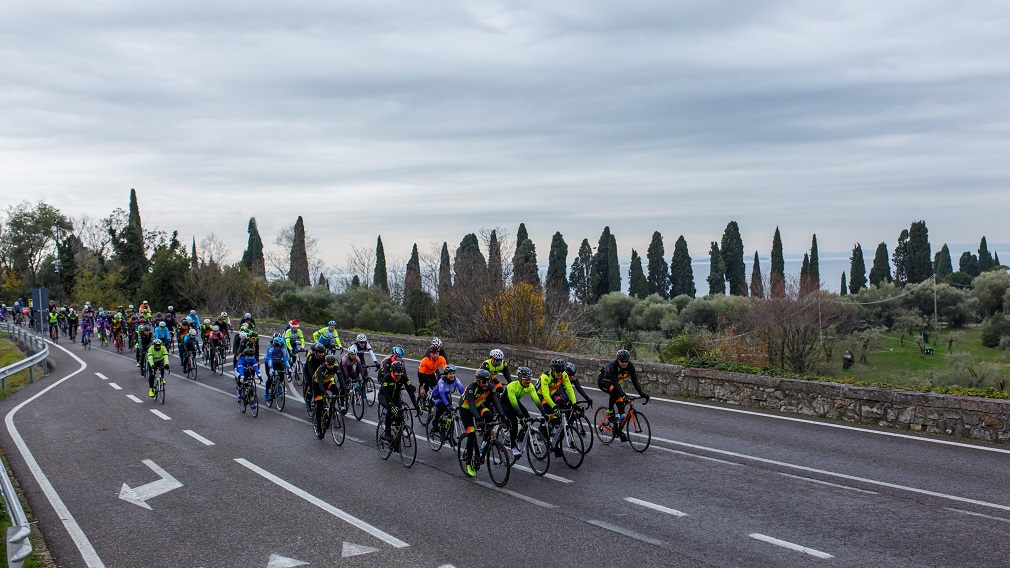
pixel 246 316
pixel 147 328
pixel 397 367
pixel 243 335
pixel 88 305
pixel 319 348
pixel 623 355
pixel 450 369
pixel 101 312
pixel 215 328
pixel 144 302
pixel 570 368
pixel 142 319
pixel 71 310
pixel 432 349
pixel 157 343
pixel 248 352
pixel 131 305
pixel 206 321
pixel 361 337
pixel 278 342
pixel 332 323
pixel 524 373
pixel 293 324
pixel 224 314
pixel 162 324
pixel 398 351
pixel 192 332
pixel 331 360
pixel 483 376
pixel 497 354
pixel 352 350
pixel 192 312
pixel 170 308
pixel 557 364
pixel 186 320
pixel 436 342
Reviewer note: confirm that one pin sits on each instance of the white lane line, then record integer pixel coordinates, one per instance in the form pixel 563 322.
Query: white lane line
pixel 160 414
pixel 656 507
pixel 199 438
pixel 536 502
pixel 812 480
pixel 689 454
pixel 353 439
pixel 133 398
pixel 547 475
pixel 84 546
pixel 984 516
pixel 839 475
pixel 344 516
pixel 115 386
pixel 790 545
pixel 626 532
pixel 101 376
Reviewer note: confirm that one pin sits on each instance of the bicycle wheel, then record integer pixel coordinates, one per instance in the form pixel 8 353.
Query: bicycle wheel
pixel 245 398
pixel 434 434
pixel 408 446
pixel 425 410
pixel 603 427
pixel 383 447
pixel 296 378
pixel 585 429
pixel 538 451
pixel 280 397
pixel 159 392
pixel 370 392
pixel 357 403
pixel 499 463
pixel 457 433
pixel 193 367
pixel 337 430
pixel 502 436
pixel 272 392
pixel 308 402
pixel 461 455
pixel 572 448
pixel 254 402
pixel 638 430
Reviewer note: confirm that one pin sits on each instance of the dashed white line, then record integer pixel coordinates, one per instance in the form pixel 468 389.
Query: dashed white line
pixel 689 454
pixel 626 532
pixel 838 485
pixel 133 398
pixel 790 545
pixel 655 507
pixel 160 414
pixel 340 514
pixel 199 438
pixel 984 516
pixel 115 386
pixel 101 376
pixel 547 475
pixel 531 500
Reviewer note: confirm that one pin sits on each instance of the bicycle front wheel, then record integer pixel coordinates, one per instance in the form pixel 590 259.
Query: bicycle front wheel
pixel 160 392
pixel 281 397
pixel 383 447
pixel 572 447
pixel 357 403
pixel 370 392
pixel 603 427
pixel 253 402
pixel 434 434
pixel 638 430
pixel 585 429
pixel 337 430
pixel 408 446
pixel 193 367
pixel 499 463
pixel 538 451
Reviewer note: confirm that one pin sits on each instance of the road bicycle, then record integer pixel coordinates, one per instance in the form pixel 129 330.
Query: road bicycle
pixel 426 407
pixel 86 340
pixel 189 365
pixel 448 431
pixel 276 391
pixel 54 333
pixel 564 438
pixel 331 419
pixel 634 424
pixel 158 372
pixel 362 393
pixel 489 451
pixel 118 341
pixel 217 358
pixel 401 438
pixel 583 425
pixel 249 398
pixel 530 438
pixel 72 332
pixel 297 366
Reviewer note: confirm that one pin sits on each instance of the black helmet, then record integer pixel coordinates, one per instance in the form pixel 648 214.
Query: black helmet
pixel 524 373
pixel 319 348
pixel 623 355
pixel 557 364
pixel 331 359
pixel 397 367
pixel 248 352
pixel 570 368
pixel 483 376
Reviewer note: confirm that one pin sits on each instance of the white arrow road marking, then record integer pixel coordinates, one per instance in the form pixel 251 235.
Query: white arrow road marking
pixel 139 495
pixel 351 549
pixel 790 545
pixel 278 561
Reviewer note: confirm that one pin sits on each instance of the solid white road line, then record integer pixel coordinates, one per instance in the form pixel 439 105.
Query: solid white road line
pixel 655 507
pixel 626 532
pixel 199 438
pixel 689 454
pixel 536 502
pixel 115 386
pixel 342 515
pixel 812 480
pixel 547 475
pixel 84 546
pixel 984 516
pixel 133 398
pixel 101 376
pixel 790 546
pixel 160 414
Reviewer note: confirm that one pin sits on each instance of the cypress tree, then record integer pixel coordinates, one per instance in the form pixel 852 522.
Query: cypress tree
pixel 134 218
pixel 900 253
pixel 814 272
pixel 942 263
pixel 579 277
pixel 880 272
pixel 777 276
pixel 614 266
pixel 599 273
pixel 681 273
pixel 494 266
pixel 805 275
pixel 521 235
pixel 252 258
pixel 444 272
pixel 194 262
pixel 968 263
pixel 857 270
pixel 412 279
pixel 525 267
pixel 355 281
pixel 659 271
pixel 757 285
pixel 636 277
pixel 323 283
pixel 716 271
pixel 298 271
pixel 844 289
pixel 732 258
pixel 469 264
pixel 128 247
pixel 556 283
pixel 995 259
pixel 918 256
pixel 380 278
pixel 985 259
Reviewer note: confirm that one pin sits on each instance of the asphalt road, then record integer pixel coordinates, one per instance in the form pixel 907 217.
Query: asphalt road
pixel 206 485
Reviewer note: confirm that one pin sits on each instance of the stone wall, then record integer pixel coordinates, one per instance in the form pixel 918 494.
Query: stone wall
pixel 980 418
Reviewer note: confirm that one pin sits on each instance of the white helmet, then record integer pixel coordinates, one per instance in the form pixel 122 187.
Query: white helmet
pixel 361 337
pixel 206 320
pixel 497 354
pixel 353 350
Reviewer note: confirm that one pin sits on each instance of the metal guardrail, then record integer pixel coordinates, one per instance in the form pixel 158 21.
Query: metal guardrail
pixel 18 544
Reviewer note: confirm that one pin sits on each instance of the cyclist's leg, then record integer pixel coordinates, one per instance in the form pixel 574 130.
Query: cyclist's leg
pixel 513 421
pixel 468 430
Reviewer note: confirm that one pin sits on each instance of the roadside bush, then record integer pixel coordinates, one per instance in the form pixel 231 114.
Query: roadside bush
pixel 994 329
pixel 681 347
pixel 648 314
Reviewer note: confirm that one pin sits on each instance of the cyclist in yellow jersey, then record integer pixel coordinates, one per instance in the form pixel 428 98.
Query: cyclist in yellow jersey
pixel 515 410
pixel 157 357
pixel 551 383
pixel 496 365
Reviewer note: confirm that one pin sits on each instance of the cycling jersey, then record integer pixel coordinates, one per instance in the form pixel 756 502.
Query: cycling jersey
pixel 550 384
pixel 156 356
pixel 297 336
pixel 475 399
pixel 429 366
pixel 318 337
pixel 516 391
pixel 245 363
pixel 444 389
pixel 502 368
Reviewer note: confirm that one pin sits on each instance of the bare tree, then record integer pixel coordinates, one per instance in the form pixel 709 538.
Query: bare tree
pixel 361 262
pixel 429 268
pixel 93 234
pixel 507 244
pixel 396 274
pixel 279 259
pixel 214 251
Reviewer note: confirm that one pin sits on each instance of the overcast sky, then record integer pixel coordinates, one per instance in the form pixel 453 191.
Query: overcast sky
pixel 423 121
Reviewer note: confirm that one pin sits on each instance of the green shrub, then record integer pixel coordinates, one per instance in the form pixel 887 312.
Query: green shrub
pixel 682 347
pixel 994 329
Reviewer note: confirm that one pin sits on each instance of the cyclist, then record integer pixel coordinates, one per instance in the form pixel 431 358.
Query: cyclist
pixel 157 357
pixel 474 410
pixel 429 367
pixel 442 394
pixel 495 365
pixel 144 339
pixel 609 381
pixel 247 319
pixel 196 319
pixel 275 360
pixel 351 367
pixel 117 322
pixel 102 325
pixel 87 325
pixel 224 323
pixel 72 322
pixel 570 369
pixel 389 394
pixel 294 339
pixel 170 320
pixel 145 309
pixel 217 340
pixel 161 332
pixel 514 410
pixel 361 342
pixel 184 326
pixel 552 381
pixel 396 355
pixel 54 322
pixel 205 330
pixel 437 343
pixel 247 362
pixel 189 344
pixel 324 379
pixel 317 356
pixel 328 336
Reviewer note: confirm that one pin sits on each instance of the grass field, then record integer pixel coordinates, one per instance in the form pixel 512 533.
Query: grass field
pixel 9 354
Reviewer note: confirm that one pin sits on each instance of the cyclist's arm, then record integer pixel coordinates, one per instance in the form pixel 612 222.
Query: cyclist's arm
pixel 316 335
pixel 496 400
pixel 505 371
pixel 568 388
pixel 634 379
pixel 578 387
pixel 545 390
pixel 536 399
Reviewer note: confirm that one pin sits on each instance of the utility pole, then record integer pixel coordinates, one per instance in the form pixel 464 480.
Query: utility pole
pixel 936 321
pixel 59 290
